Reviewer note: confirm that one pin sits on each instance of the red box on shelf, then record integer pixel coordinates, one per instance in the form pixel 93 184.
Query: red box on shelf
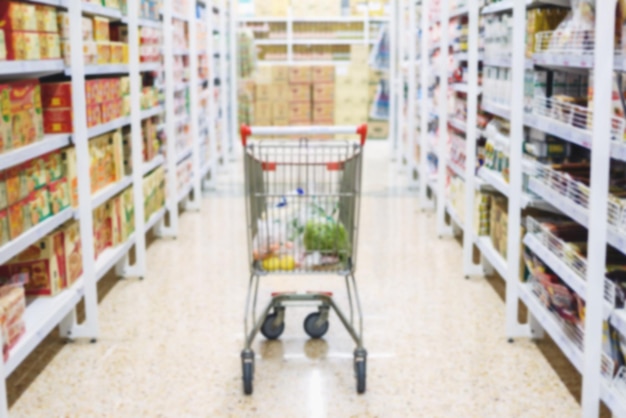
pixel 58 121
pixel 93 91
pixel 56 95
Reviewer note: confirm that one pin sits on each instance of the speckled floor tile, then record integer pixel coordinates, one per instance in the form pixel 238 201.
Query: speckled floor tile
pixel 169 345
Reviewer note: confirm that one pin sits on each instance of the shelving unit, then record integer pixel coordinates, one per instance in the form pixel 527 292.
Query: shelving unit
pixel 531 185
pixel 45 313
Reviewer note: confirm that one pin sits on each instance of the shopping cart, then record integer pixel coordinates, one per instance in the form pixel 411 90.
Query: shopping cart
pixel 302 203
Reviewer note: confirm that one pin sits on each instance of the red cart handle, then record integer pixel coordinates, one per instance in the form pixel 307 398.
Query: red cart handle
pixel 247 131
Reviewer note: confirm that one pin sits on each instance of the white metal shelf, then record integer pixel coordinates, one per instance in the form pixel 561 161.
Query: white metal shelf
pixel 111 256
pixel 184 154
pixel 42 315
pixel 496 109
pixel 495 180
pixel 551 325
pixel 489 252
pixel 109 126
pixel 102 196
pixel 55 3
pixel 179 16
pixel 154 219
pixel 574 211
pixel 102 69
pixel 34 234
pixel 453 215
pixel 98 10
pixel 502 6
pixel 48 144
pixel 153 164
pixel 150 66
pixel 148 113
pixel 503 60
pixel 185 192
pixel 458 171
pixel 37 68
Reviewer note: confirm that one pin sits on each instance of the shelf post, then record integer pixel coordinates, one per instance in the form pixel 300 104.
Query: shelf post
pixel 424 103
pixel 412 87
pixel 442 144
pixel 598 205
pixel 224 95
pixel 513 327
pixel 471 134
pixel 194 113
pixel 393 82
pixel 139 268
pixel 233 67
pixel 80 138
pixel 170 124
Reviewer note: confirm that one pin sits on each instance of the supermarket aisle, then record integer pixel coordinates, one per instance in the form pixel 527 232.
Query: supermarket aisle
pixel 170 345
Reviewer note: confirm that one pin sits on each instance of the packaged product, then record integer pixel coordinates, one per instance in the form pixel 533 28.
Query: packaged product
pixel 22 46
pixel 71 173
pixel 3 47
pixel 103 53
pixel 90 53
pixel 17 16
pixel 38 173
pixel 5 235
pixel 46 18
pixel 50 46
pixel 39 206
pixel 12 307
pixel 44 262
pixel 101 32
pixel 117 53
pixel 88 29
pixel 94 116
pixel 16 220
pixel 26 113
pixel 54 165
pixel 59 195
pixel 117 225
pixel 73 251
pixel 128 216
pixel 59 120
pixel 6 133
pixel 63 24
pixel 58 95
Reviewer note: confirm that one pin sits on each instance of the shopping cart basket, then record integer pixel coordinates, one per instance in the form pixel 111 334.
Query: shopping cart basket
pixel 302 203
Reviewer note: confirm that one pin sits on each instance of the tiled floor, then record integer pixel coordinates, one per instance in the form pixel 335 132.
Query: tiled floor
pixel 170 344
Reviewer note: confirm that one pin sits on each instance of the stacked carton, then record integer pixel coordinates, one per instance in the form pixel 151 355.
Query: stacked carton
pixel 275 8
pixel 299 96
pixel 271 91
pixel 351 89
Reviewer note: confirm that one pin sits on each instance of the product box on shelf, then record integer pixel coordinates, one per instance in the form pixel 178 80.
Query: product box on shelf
pixel 12 307
pixel 44 262
pixel 323 74
pixel 300 75
pixel 263 111
pixel 280 111
pixel 323 92
pixel 323 111
pixel 39 206
pixel 378 129
pixel 60 120
pixel 73 251
pixel 300 112
pixel 300 93
pixel 58 95
pixel 18 16
pixel 279 74
pixel 26 113
pixel 263 92
pixel 71 172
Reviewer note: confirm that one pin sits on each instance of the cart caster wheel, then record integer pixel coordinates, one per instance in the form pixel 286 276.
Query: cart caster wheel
pixel 312 328
pixel 361 375
pixel 247 368
pixel 248 375
pixel 270 330
pixel 94 340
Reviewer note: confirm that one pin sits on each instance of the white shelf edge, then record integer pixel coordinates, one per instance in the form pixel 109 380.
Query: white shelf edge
pixel 102 69
pixel 95 9
pixel 456 170
pixel 185 193
pixel 453 215
pixel 34 234
pixel 495 180
pixel 154 219
pixel 33 68
pixel 107 127
pixel 496 109
pixel 42 315
pixel 111 256
pixel 156 162
pixel 502 6
pixel 102 196
pixel 150 66
pixel 48 144
pixel 488 251
pixel 550 324
pixel 184 154
pixel 148 113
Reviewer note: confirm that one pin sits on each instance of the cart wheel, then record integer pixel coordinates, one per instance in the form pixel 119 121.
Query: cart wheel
pixel 248 375
pixel 361 375
pixel 270 330
pixel 312 328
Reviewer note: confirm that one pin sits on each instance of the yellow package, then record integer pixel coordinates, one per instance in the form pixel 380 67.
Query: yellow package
pixel 50 46
pixel 46 19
